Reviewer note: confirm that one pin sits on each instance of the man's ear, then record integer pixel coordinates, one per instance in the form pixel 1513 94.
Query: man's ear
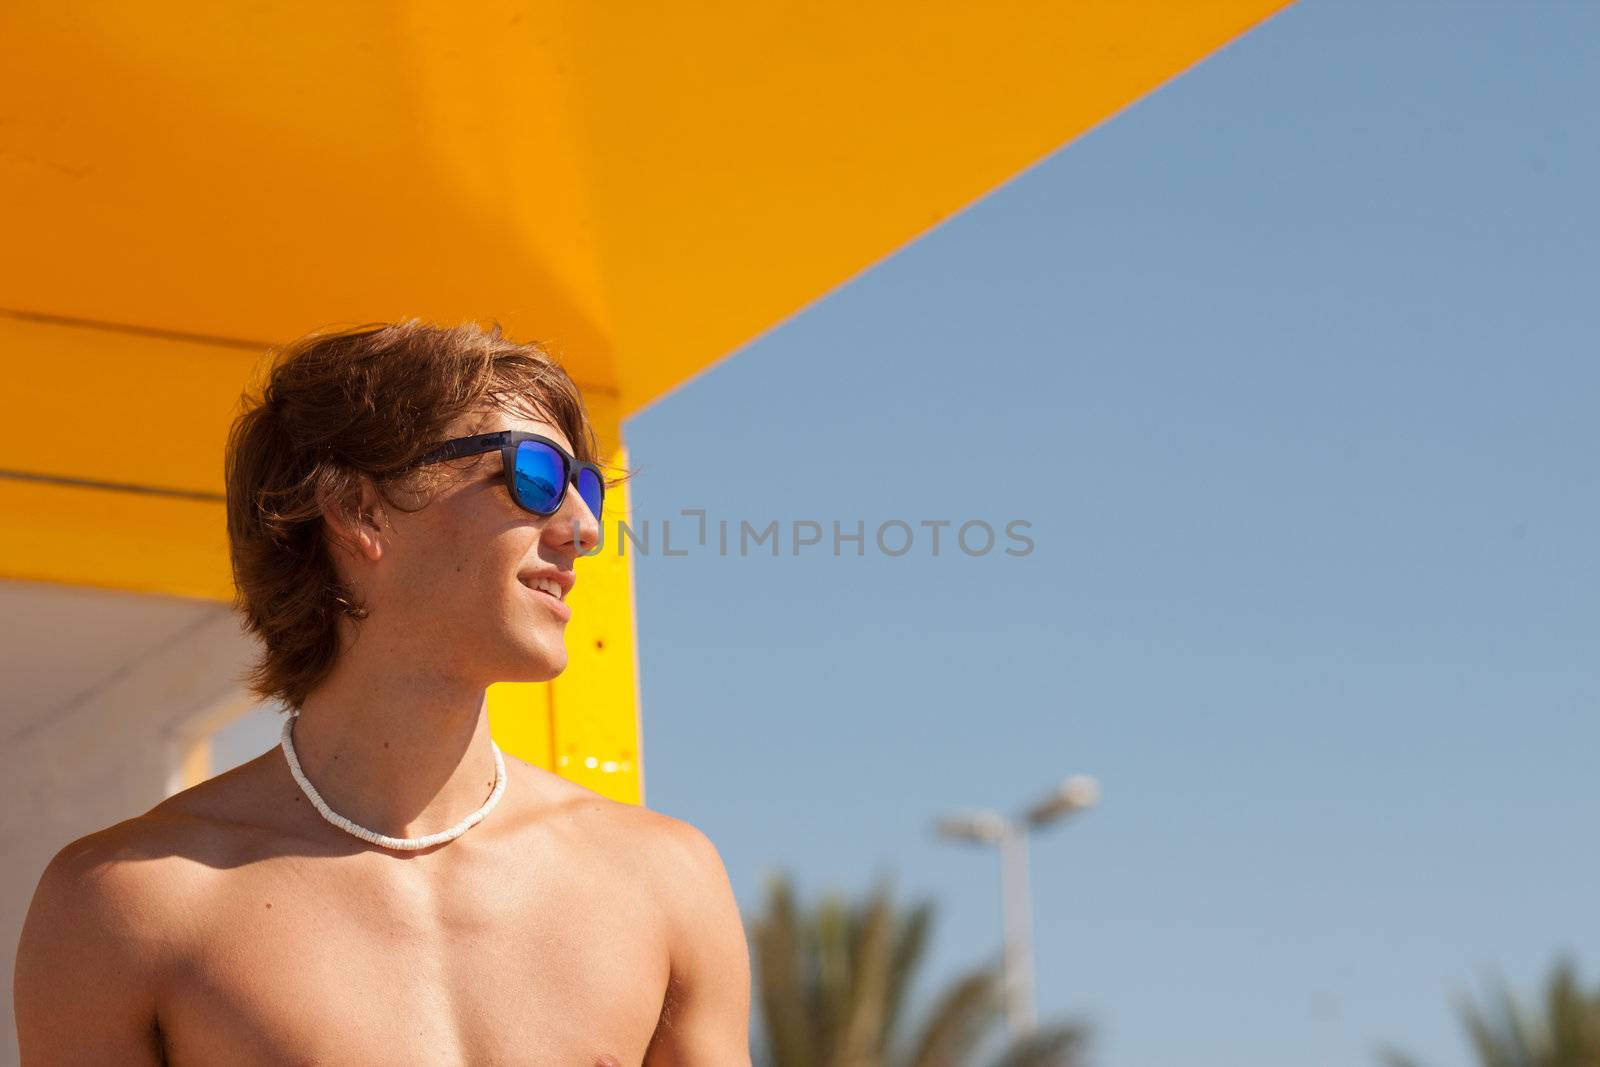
pixel 355 520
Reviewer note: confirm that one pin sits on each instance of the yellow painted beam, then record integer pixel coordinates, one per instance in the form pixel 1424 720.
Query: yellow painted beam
pixel 111 539
pixel 119 405
pixel 111 449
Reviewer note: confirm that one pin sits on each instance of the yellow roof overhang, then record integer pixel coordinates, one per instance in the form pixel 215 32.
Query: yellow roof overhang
pixel 648 185
pixel 645 186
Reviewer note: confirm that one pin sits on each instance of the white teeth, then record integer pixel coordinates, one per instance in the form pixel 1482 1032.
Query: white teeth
pixel 547 585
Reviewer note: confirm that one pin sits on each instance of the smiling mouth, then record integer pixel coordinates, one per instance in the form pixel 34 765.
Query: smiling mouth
pixel 544 585
pixel 551 590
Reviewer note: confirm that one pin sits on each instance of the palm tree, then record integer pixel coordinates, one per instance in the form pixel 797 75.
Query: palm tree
pixel 1563 1032
pixel 832 983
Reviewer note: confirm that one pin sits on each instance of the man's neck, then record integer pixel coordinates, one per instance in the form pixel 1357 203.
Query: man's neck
pixel 397 751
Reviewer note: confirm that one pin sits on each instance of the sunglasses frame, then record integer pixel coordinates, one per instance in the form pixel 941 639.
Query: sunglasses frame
pixel 507 442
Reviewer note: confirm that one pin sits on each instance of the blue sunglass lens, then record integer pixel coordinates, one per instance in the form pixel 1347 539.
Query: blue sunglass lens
pixel 540 477
pixel 591 489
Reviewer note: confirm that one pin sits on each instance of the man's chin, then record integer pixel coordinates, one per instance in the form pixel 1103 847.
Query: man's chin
pixel 540 664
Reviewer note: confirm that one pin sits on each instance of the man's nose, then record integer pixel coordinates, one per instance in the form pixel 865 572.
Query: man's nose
pixel 576 525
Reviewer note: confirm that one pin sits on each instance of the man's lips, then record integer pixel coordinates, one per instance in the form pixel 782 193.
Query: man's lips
pixel 551 588
pixel 557 583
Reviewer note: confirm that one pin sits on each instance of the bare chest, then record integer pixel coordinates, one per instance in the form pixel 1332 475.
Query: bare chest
pixel 365 960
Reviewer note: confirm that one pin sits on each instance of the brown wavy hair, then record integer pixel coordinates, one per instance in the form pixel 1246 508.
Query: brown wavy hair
pixel 337 407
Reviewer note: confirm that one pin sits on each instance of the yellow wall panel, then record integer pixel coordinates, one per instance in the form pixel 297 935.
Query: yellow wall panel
pixel 596 735
pixel 520 720
pixel 585 724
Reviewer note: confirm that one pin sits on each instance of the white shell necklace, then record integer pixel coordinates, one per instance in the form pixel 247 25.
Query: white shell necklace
pixel 372 836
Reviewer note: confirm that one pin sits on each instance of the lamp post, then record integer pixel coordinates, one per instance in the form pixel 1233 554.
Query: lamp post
pixel 1010 836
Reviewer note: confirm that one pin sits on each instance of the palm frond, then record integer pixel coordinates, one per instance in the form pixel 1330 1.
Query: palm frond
pixel 1057 1046
pixel 910 944
pixel 959 1019
pixel 783 981
pixel 1563 1030
pixel 830 949
pixel 862 1033
pixel 1390 1056
pixel 835 980
pixel 1502 1034
pixel 1572 1016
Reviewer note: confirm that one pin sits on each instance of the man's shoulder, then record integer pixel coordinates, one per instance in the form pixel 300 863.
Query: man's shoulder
pixel 144 853
pixel 104 931
pixel 123 891
pixel 238 797
pixel 705 1013
pixel 628 827
pixel 673 854
pixel 154 863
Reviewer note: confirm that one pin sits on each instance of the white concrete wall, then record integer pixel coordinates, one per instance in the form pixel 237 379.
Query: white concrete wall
pixel 106 701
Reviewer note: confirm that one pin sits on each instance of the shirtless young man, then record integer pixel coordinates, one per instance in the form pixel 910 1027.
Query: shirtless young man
pixel 234 924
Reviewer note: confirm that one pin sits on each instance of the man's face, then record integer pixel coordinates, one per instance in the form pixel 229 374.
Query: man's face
pixel 455 580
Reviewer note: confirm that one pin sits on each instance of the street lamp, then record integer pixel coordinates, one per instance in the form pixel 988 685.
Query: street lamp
pixel 1011 836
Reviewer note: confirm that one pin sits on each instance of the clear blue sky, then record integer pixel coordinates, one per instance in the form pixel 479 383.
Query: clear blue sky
pixel 1293 369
